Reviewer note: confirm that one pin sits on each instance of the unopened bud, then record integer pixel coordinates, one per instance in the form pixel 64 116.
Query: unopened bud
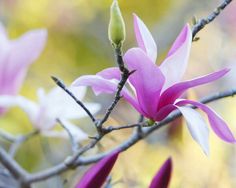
pixel 116 28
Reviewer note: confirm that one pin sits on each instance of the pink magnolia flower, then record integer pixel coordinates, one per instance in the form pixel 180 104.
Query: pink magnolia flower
pixel 162 178
pixel 97 174
pixel 154 91
pixel 16 56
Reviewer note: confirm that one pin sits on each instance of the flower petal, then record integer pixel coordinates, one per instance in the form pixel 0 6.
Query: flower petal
pixel 175 91
pixel 162 178
pixel 102 85
pixel 19 55
pixel 164 112
pixel 176 62
pixel 110 73
pixel 147 80
pixel 144 38
pixel 75 131
pixel 217 123
pixel 197 127
pixel 97 174
pixel 29 107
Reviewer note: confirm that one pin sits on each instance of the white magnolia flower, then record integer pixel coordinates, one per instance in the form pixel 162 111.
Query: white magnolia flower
pixel 52 105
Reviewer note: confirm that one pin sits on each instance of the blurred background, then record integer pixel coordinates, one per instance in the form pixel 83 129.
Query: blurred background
pixel 78 44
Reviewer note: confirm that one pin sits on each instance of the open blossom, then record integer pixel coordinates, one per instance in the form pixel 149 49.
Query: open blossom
pixel 16 56
pixel 155 91
pixel 55 104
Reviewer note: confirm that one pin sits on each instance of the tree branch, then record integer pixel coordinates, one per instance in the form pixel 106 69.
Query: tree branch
pixel 76 160
pixel 204 21
pixel 62 86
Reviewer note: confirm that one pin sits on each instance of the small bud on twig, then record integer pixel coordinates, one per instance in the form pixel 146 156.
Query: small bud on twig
pixel 116 28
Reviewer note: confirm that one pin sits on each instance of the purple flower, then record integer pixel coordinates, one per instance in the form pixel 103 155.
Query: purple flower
pixel 154 91
pixel 162 178
pixel 97 174
pixel 16 56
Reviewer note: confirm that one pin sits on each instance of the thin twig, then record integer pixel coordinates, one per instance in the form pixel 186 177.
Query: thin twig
pixel 12 166
pixel 19 140
pixel 111 128
pixel 7 136
pixel 204 21
pixel 74 145
pixel 62 86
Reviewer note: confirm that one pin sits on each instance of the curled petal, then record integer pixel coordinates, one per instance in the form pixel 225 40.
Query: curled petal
pixel 144 38
pixel 110 73
pixel 97 174
pixel 147 80
pixel 217 123
pixel 175 91
pixel 197 127
pixel 176 62
pixel 162 178
pixel 102 85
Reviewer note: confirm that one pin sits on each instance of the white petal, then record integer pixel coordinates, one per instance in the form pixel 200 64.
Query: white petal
pixel 76 132
pixel 29 107
pixel 197 127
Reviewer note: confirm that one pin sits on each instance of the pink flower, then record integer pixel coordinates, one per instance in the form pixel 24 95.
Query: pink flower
pixel 16 56
pixel 162 178
pixel 154 91
pixel 97 174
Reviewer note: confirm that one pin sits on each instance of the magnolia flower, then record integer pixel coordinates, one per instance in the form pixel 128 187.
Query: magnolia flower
pixel 162 178
pixel 154 91
pixel 97 174
pixel 55 104
pixel 16 56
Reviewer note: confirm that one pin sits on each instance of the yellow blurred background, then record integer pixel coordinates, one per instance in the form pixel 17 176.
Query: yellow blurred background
pixel 78 44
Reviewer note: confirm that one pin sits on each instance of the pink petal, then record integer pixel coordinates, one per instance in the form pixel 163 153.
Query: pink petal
pixel 164 112
pixel 145 39
pixel 175 91
pixel 176 62
pixel 217 123
pixel 147 80
pixel 110 73
pixel 162 178
pixel 33 43
pixel 197 127
pixel 101 85
pixel 19 55
pixel 97 174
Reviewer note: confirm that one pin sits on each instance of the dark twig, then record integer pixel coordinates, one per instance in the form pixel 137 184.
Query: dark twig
pixel 124 77
pixel 204 21
pixel 62 86
pixel 111 128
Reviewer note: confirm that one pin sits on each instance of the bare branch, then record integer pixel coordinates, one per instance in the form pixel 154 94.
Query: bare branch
pixel 74 145
pixel 14 168
pixel 204 21
pixel 62 86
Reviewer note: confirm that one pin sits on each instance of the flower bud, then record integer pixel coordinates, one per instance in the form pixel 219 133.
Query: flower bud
pixel 116 28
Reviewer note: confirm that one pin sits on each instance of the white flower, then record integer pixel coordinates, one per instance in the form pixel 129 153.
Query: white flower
pixel 52 105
